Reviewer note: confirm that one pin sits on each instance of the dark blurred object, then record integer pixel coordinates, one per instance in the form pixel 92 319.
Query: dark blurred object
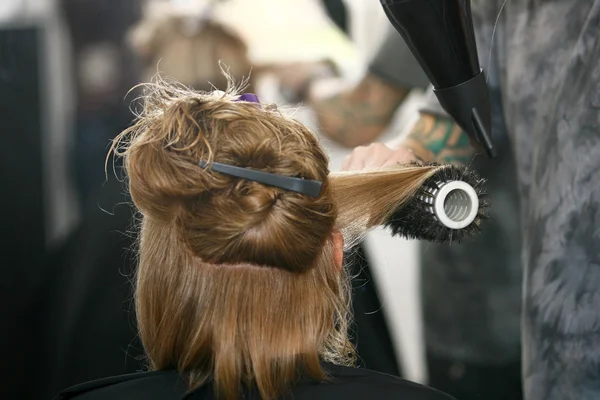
pixel 87 328
pixel 369 331
pixel 22 201
pixel 337 12
pixel 105 70
pixel 474 381
pixel 88 19
pixel 72 308
pixel 104 66
pixel 440 35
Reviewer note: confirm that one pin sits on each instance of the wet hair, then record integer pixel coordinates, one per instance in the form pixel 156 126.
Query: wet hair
pixel 237 283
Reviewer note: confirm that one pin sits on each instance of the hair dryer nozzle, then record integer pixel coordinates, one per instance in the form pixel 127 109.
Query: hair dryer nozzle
pixel 469 105
pixel 441 37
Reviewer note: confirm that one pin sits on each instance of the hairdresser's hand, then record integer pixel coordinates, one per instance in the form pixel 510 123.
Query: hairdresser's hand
pixel 377 155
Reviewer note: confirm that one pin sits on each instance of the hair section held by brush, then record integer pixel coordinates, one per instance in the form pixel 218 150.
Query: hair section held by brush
pixel 367 198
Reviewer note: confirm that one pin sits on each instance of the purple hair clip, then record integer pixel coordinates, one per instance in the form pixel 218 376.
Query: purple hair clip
pixel 249 97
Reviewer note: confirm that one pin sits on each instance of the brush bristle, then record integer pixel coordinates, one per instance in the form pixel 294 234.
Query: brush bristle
pixel 414 220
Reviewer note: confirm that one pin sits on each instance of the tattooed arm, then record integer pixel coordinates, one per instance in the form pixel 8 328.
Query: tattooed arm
pixel 359 118
pixel 440 139
pixel 360 115
pixel 433 138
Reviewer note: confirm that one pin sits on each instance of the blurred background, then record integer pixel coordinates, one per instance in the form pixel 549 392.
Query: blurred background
pixel 66 67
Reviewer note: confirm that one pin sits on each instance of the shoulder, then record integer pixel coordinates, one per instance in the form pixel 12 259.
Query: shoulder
pixel 131 387
pixel 363 383
pixel 347 383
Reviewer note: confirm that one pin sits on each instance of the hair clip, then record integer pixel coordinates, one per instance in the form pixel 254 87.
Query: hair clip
pixel 249 97
pixel 308 187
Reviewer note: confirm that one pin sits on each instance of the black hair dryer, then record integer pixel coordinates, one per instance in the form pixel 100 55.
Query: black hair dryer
pixel 440 35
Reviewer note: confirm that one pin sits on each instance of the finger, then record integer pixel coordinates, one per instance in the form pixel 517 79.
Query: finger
pixel 400 156
pixel 377 161
pixel 353 162
pixel 373 156
pixel 380 154
pixel 416 157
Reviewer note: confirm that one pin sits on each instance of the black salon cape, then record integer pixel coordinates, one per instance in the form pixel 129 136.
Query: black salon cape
pixel 347 383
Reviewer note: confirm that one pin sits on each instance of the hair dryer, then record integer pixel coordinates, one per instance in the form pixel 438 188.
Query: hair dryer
pixel 440 35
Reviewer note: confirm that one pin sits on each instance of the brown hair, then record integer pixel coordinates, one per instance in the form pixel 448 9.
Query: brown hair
pixel 188 48
pixel 237 282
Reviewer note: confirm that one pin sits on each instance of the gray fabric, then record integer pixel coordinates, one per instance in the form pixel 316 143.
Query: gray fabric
pixel 395 63
pixel 547 55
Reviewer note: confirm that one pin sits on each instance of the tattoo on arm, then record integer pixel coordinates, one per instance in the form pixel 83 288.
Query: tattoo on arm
pixel 439 139
pixel 358 117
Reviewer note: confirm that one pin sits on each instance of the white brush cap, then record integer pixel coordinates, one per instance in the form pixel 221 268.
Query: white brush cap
pixel 456 204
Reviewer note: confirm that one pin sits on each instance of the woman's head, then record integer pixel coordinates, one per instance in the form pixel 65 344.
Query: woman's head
pixel 188 45
pixel 236 279
pixel 240 283
pixel 224 219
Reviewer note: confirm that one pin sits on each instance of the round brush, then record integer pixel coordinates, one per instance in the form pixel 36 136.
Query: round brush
pixel 447 208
